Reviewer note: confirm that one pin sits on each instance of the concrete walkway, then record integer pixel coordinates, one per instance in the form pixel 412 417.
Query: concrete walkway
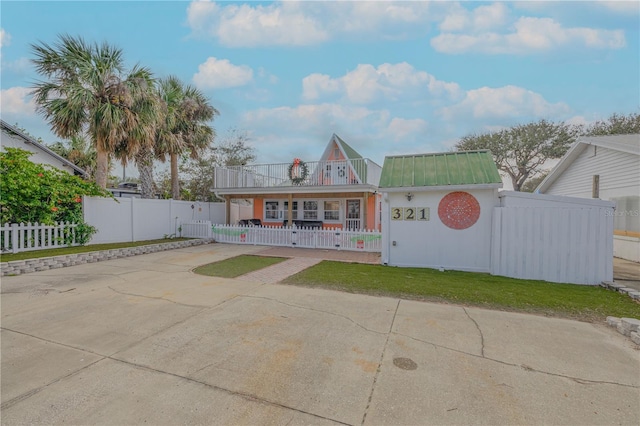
pixel 626 272
pixel 143 340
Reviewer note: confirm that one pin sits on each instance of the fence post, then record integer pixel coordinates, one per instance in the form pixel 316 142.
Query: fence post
pixel 14 237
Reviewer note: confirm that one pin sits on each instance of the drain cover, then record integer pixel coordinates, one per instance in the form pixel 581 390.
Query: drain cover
pixel 405 363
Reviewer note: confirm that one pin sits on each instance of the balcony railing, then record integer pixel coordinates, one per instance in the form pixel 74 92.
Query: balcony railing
pixel 360 171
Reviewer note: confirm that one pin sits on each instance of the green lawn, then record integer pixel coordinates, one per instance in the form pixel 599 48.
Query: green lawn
pixel 8 257
pixel 587 303
pixel 236 266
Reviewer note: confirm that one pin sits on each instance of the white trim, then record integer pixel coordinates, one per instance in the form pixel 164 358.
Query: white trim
pixel 442 188
pixel 320 189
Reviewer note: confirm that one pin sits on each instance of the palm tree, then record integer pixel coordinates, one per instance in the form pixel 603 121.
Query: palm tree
pixel 88 91
pixel 184 130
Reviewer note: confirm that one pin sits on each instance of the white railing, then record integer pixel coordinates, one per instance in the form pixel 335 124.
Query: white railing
pixel 334 239
pixel 196 229
pixel 359 171
pixel 16 237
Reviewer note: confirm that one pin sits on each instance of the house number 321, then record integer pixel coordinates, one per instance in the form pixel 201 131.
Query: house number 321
pixel 409 213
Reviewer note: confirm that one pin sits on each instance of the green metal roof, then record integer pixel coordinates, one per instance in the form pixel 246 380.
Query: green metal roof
pixel 349 152
pixel 450 168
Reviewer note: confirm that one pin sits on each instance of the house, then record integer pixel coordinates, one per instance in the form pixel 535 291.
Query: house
pixel 338 191
pixel 16 138
pixel 437 210
pixel 445 211
pixel 605 167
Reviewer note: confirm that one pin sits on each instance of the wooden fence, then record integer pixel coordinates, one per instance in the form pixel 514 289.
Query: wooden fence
pixel 26 237
pixel 332 239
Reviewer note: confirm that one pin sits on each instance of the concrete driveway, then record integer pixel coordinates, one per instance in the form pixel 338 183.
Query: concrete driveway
pixel 144 340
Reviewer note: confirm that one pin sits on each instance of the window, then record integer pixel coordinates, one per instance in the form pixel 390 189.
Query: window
pixel 271 210
pixel 332 210
pixel 310 210
pixel 336 154
pixel 294 210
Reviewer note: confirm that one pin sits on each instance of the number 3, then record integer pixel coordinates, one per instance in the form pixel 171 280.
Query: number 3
pixel 396 213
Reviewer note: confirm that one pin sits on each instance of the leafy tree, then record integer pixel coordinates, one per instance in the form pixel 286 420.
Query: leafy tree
pixel 521 151
pixel 617 124
pixel 87 90
pixel 185 129
pixel 531 184
pixel 37 193
pixel 233 150
pixel 79 151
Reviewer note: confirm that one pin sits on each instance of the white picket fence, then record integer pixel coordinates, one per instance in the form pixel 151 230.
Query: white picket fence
pixel 196 229
pixel 16 237
pixel 333 239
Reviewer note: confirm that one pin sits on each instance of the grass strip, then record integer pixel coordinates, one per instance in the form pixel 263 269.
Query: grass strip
pixel 236 266
pixel 586 303
pixel 9 257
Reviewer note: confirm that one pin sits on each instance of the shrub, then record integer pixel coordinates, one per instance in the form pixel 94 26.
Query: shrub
pixel 36 193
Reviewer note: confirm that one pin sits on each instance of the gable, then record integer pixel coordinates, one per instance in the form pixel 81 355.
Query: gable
pixel 620 146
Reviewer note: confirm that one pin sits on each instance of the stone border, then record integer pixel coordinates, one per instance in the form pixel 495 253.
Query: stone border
pixel 19 267
pixel 629 327
pixel 620 288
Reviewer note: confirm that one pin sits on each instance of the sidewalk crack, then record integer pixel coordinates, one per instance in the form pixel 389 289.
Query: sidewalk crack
pixel 384 350
pixel 479 330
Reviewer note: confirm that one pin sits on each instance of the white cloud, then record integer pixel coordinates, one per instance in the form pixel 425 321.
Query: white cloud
pixel 400 129
pixel 481 18
pixel 220 73
pixel 488 103
pixel 5 38
pixel 251 26
pixel 17 100
pixel 528 35
pixel 388 82
pixel 302 23
pixel 309 127
pixel 623 7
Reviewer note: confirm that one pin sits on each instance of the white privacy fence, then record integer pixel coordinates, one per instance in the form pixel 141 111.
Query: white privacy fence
pixel 135 219
pixel 334 239
pixel 16 237
pixel 569 245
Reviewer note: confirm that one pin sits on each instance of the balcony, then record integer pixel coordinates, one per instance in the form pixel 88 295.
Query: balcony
pixel 360 171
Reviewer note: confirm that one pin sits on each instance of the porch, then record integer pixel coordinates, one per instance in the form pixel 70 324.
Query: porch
pixel 355 171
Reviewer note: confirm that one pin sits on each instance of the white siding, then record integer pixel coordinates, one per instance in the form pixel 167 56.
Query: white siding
pixel 39 156
pixel 619 174
pixel 432 244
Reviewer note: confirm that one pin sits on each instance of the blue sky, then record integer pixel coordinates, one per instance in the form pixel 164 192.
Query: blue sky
pixel 388 77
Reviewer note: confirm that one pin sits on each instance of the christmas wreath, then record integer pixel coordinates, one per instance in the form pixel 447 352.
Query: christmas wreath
pixel 298 171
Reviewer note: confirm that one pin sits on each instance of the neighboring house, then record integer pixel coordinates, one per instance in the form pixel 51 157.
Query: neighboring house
pixel 605 167
pixel 437 210
pixel 16 138
pixel 338 191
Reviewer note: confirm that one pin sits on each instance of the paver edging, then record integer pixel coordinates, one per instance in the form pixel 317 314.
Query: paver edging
pixel 19 267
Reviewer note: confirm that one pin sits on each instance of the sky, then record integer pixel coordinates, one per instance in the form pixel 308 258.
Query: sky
pixel 389 78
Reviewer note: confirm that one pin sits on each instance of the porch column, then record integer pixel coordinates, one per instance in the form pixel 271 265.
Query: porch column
pixel 364 210
pixel 227 205
pixel 290 210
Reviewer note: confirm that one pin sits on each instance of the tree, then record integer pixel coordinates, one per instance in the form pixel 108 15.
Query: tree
pixel 233 150
pixel 184 129
pixel 617 124
pixel 79 152
pixel 521 151
pixel 88 91
pixel 531 184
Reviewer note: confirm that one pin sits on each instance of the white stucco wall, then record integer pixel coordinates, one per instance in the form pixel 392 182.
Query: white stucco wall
pixel 431 243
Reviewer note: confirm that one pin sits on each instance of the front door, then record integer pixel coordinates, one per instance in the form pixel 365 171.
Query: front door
pixel 353 214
